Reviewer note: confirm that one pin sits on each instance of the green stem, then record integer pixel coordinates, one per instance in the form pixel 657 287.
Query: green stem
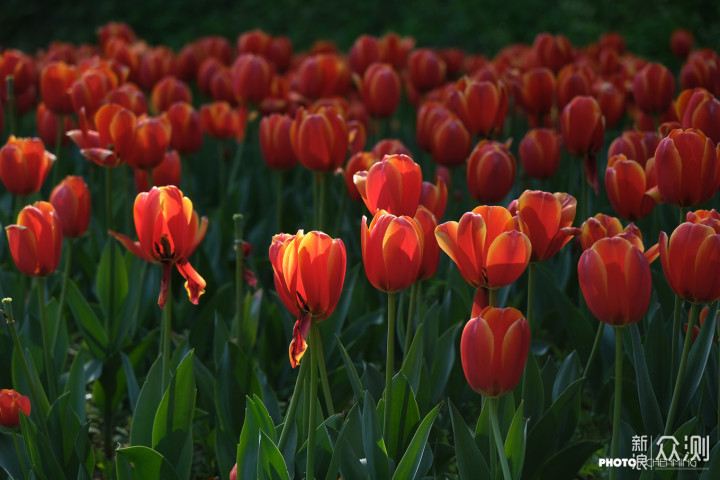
pixel 19 455
pixel 10 89
pixel 617 405
pixel 110 319
pixel 529 314
pixel 166 334
pixel 279 201
pixel 323 370
pixel 389 370
pixel 498 438
pixel 292 408
pixel 493 297
pixel 681 372
pixel 235 167
pixel 313 404
pixel 323 193
pixel 414 293
pixel 239 285
pixel 49 363
pixel 63 290
pixel 677 321
pixel 593 352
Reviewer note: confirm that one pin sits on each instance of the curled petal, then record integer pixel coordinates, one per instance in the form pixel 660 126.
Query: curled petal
pixel 194 283
pixel 298 345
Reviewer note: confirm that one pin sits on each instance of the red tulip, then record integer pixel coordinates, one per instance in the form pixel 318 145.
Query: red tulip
pixel 632 189
pixel 429 115
pixel 71 199
pixel 481 105
pixel 612 102
pixel 47 124
pixel 434 196
pixel 186 134
pixel 24 165
pixel 169 231
pixel 572 81
pixel 323 75
pixel 552 52
pixel 309 275
pixel 431 250
pixel 699 109
pixel 11 403
pixel 251 78
pixel 129 96
pixel 493 349
pixel 681 42
pixel 389 146
pixel 583 131
pixel 152 139
pixel 167 173
pixel 36 240
pixel 380 90
pixel 319 140
pixel 450 142
pixel 168 91
pixel 635 145
pixel 365 51
pixel 154 65
pixel 221 121
pixel 540 152
pixel 535 93
pixel 56 79
pixel 601 226
pixel 491 171
pixel 653 88
pixel 275 142
pixel 394 185
pixel 427 69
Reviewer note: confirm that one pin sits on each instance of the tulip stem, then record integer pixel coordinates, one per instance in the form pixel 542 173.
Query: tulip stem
pixel 675 337
pixel 17 452
pixel 529 312
pixel 414 293
pixel 63 290
pixel 389 364
pixel 239 294
pixel 110 318
pixel 492 297
pixel 292 408
pixel 322 180
pixel 10 89
pixel 165 335
pixel 279 201
pixel 49 363
pixel 593 351
pixel 497 437
pixel 323 370
pixel 617 405
pixel 235 165
pixel 681 371
pixel 313 404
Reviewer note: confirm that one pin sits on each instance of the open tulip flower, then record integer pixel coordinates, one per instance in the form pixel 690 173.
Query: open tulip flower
pixel 486 247
pixel 309 274
pixel 36 240
pixel 169 231
pixel 394 185
pixel 631 189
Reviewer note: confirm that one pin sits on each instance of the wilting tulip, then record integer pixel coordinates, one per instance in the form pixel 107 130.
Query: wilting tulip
pixel 169 231
pixel 654 88
pixel 275 142
pixel 635 145
pixel 491 171
pixel 71 199
pixel 482 106
pixel 24 165
pixel 392 250
pixel 168 91
pixel 691 259
pixel 427 69
pixel 36 240
pixel 632 189
pixel 186 131
pixel 699 109
pixel 56 79
pixel 319 140
pixel 540 152
pixel 11 403
pixel 222 121
pixel 309 271
pixel 681 42
pixel 493 349
pixel 251 78
pixel 380 90
pixel 167 173
pixel 450 142
pixel 552 52
pixel 546 219
pixel 393 185
pixel 487 249
pixel 615 280
pixel 687 168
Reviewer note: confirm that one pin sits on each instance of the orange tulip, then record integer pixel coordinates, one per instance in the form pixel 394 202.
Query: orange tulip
pixel 167 173
pixel 392 250
pixel 380 90
pixel 539 152
pixel 493 349
pixel 631 189
pixel 11 403
pixel 394 185
pixel 491 171
pixel 71 199
pixel 169 231
pixel 691 259
pixel 653 88
pixel 275 142
pixel 319 140
pixel 36 240
pixel 309 271
pixel 24 165
pixel 486 247
pixel 168 91
pixel 56 79
pixel 546 219
pixel 427 69
pixel 687 168
pixel 481 105
pixel 615 280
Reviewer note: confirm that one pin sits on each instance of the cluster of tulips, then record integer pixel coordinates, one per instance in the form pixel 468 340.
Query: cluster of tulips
pixel 124 102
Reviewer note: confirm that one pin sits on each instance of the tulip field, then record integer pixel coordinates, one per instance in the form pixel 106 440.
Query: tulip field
pixel 242 259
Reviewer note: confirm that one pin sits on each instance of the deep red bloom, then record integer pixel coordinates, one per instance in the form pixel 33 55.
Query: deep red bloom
pixel 654 88
pixel 56 79
pixel 71 199
pixel 481 105
pixel 431 250
pixel 323 75
pixel 24 165
pixel 47 124
pixel 572 81
pixel 251 78
pixel 168 91
pixel 36 240
pixel 167 173
pixel 535 93
pixel 612 102
pixel 699 109
pixel 427 69
pixel 364 51
pixel 635 145
pixel 451 142
pixel 275 142
pixel 491 171
pixel 552 52
pixel 222 121
pixel 380 90
pixel 540 152
pixel 11 403
pixel 681 42
pixel 631 189
pixel 433 196
pixel 155 64
pixel 186 131
pixel 128 95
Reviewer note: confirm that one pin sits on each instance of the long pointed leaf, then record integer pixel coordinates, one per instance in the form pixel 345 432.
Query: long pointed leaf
pixel 408 466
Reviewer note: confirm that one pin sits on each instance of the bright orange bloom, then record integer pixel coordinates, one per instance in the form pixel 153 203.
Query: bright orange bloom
pixel 71 199
pixel 539 152
pixel 392 250
pixel 687 168
pixel 24 165
pixel 615 280
pixel 491 171
pixel 481 105
pixel 486 247
pixel 654 88
pixel 167 173
pixel 546 218
pixel 319 140
pixel 11 402
pixel 631 189
pixel 169 231
pixel 56 79
pixel 309 274
pixel 251 78
pixel 393 185
pixel 36 240
pixel 275 142
pixel 493 349
pixel 380 90
pixel 427 69
pixel 691 259
pixel 186 132
pixel 168 91
pixel 221 121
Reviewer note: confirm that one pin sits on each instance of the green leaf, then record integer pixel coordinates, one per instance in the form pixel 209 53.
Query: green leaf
pixel 567 462
pixel 93 332
pixel 145 463
pixel 85 453
pixel 408 466
pixel 236 378
pixel 373 443
pixel 412 365
pixel 515 443
pixel 251 319
pixel 350 466
pixel 256 420
pixel 696 361
pixel 351 374
pixel 471 463
pixel 75 385
pixel 569 372
pixel 147 404
pixel 404 415
pixel 649 408
pixel 38 448
pixel 271 465
pixel 442 364
pixel 63 427
pixel 102 279
pixel 132 385
pixel 172 428
pixel 534 391
pixel 9 460
pixel 713 466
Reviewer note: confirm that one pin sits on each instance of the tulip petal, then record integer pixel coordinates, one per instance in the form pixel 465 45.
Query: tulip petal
pixel 194 283
pixel 298 345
